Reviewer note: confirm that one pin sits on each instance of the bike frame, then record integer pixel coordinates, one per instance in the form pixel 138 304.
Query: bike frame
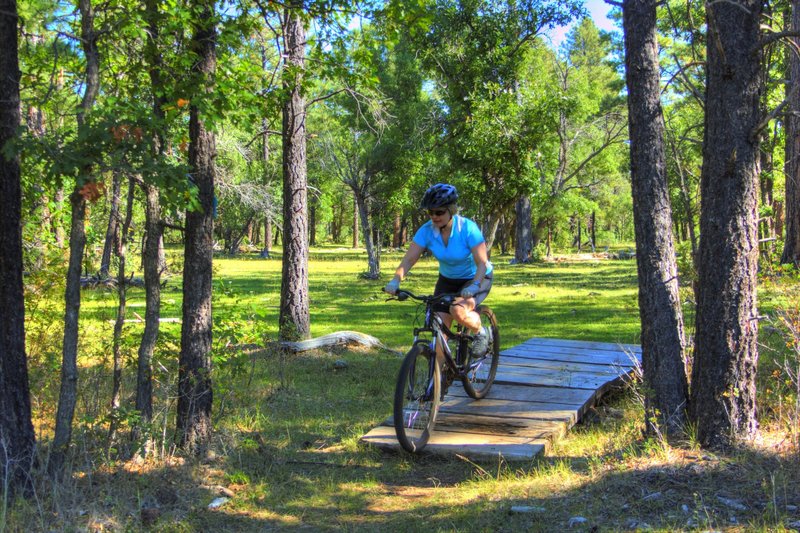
pixel 440 333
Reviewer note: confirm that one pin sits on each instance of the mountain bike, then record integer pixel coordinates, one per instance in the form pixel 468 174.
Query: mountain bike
pixel 422 382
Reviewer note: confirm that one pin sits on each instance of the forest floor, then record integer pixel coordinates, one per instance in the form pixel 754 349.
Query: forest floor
pixel 286 453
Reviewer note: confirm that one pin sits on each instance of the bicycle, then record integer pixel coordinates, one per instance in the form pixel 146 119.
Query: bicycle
pixel 421 384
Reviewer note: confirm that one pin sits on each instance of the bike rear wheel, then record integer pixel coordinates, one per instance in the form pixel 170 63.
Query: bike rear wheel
pixel 478 378
pixel 416 398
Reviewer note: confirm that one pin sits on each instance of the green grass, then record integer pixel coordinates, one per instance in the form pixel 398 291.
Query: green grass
pixel 287 430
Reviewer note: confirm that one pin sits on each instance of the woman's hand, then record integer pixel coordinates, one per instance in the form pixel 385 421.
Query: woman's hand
pixel 392 287
pixel 470 290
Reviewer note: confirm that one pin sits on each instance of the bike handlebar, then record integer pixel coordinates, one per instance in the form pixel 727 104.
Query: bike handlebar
pixel 403 295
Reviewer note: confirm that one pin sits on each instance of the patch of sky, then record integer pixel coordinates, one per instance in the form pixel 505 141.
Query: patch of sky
pixel 600 13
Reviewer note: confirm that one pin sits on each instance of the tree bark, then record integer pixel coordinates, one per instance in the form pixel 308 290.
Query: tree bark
pixel 524 236
pixel 153 261
pixel 294 322
pixel 17 438
pixel 77 243
pixel 267 237
pixel 152 289
pixel 195 394
pixel 373 260
pixel 666 388
pixel 113 226
pixel 723 395
pixel 355 222
pixel 121 243
pixel 791 244
pixel 312 225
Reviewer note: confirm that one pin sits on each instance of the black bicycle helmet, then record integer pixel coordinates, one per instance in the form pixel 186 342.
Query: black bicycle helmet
pixel 439 195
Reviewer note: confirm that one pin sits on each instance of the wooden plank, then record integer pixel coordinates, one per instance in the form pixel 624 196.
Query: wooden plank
pixel 492 425
pixel 607 370
pixel 550 378
pixel 499 391
pixel 473 446
pixel 571 355
pixel 612 346
pixel 503 408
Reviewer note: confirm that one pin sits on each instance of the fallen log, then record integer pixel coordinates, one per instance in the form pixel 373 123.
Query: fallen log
pixel 335 339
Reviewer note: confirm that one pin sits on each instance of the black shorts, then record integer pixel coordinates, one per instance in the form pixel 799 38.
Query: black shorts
pixel 446 285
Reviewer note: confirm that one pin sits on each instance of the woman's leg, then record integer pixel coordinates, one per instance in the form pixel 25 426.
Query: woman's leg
pixel 463 309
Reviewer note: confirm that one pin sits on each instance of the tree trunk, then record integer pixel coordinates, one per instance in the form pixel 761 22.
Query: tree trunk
pixel 195 394
pixel 152 290
pixel 113 226
pixel 766 187
pixel 121 243
pixel 723 396
pixel 267 237
pixel 355 223
pixel 492 224
pixel 373 261
pixel 17 455
pixel 396 231
pixel 58 225
pixel 77 244
pixel 312 225
pixel 67 397
pixel 294 322
pixel 153 260
pixel 686 198
pixel 791 244
pixel 337 222
pixel 659 303
pixel 524 235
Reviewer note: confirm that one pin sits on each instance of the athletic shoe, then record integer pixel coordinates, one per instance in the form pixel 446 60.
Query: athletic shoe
pixel 480 343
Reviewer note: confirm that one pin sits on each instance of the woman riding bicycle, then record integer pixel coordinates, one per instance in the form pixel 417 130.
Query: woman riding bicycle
pixel 464 267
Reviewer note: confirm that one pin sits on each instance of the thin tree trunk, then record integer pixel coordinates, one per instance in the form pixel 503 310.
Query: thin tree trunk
pixel 723 395
pixel 77 244
pixel 686 198
pixel 121 243
pixel 267 237
pixel 152 289
pixel 791 243
pixel 17 437
pixel 396 228
pixel 491 231
pixel 355 222
pixel 195 394
pixel 67 397
pixel 766 186
pixel 659 302
pixel 373 262
pixel 153 257
pixel 294 321
pixel 524 236
pixel 113 226
pixel 58 226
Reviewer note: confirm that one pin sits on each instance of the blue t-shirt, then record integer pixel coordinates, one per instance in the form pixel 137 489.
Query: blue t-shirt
pixel 455 259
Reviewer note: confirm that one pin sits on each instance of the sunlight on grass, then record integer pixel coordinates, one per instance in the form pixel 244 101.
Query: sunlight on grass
pixel 287 428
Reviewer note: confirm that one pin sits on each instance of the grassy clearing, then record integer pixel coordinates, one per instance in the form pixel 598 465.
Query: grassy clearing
pixel 286 450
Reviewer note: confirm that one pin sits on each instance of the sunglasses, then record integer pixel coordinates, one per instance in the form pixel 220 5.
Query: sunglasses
pixel 437 212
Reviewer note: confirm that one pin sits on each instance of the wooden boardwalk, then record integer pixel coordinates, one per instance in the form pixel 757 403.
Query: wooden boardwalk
pixel 543 388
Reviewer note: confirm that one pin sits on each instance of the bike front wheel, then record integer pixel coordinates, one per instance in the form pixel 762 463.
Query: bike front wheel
pixel 416 398
pixel 479 375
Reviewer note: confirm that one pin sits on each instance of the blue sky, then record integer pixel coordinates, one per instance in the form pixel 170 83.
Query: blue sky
pixel 598 10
